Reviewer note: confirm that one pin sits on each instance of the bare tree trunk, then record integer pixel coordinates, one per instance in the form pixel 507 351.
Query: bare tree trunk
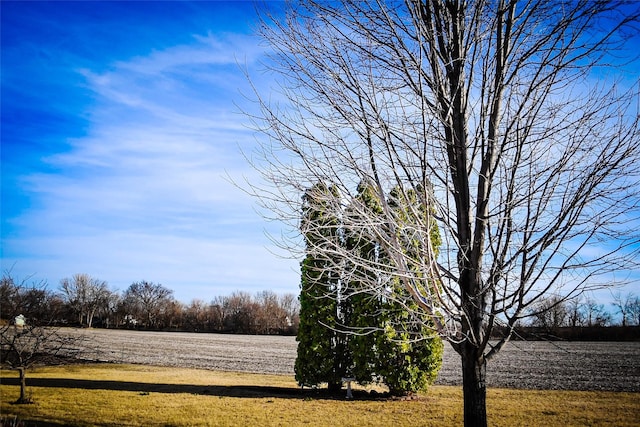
pixel 23 385
pixel 90 315
pixel 474 372
pixel 472 349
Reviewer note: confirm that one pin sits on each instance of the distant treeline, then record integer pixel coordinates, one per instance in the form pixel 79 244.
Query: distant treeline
pixel 87 302
pixel 576 333
pixel 583 312
pixel 84 301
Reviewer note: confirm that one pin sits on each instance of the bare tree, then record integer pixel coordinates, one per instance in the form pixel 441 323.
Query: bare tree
pixel 550 313
pixel 291 307
pixel 27 337
pixel 241 310
pixel 218 313
pixel 196 315
pixel 497 115
pixel 575 315
pixel 108 310
pixel 595 314
pixel 147 300
pixel 172 314
pixel 635 311
pixel 85 295
pixel 270 317
pixel 623 305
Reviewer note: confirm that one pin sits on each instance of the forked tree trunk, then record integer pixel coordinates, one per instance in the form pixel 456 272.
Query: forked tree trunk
pixel 474 372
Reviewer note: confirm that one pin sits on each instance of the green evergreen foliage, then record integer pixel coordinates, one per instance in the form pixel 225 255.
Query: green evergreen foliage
pixel 383 337
pixel 321 349
pixel 365 308
pixel 404 351
pixel 315 356
pixel 409 352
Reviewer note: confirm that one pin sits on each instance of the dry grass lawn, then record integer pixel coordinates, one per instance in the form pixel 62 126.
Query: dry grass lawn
pixel 136 395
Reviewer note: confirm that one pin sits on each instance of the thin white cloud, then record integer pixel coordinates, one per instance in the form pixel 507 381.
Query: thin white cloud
pixel 212 49
pixel 144 195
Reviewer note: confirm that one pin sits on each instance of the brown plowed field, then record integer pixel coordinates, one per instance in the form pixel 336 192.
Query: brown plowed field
pixel 613 366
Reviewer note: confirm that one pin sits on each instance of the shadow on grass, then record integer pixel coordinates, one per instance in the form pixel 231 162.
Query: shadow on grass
pixel 10 421
pixel 247 391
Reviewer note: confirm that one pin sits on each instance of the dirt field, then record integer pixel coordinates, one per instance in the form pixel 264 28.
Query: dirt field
pixel 613 366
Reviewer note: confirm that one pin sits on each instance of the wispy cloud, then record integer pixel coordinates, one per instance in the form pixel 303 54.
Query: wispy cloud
pixel 143 194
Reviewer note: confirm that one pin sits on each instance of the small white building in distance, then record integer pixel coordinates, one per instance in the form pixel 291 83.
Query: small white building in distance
pixel 19 320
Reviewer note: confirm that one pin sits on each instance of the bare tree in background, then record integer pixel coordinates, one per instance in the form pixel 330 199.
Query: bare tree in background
pixel 85 295
pixel 623 305
pixel 291 306
pixel 595 313
pixel 270 316
pixel 575 312
pixel 148 301
pixel 550 313
pixel 635 311
pixel 32 340
pixel 501 116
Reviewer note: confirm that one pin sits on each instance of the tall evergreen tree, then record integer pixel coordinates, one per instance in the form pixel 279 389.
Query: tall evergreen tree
pixel 322 353
pixel 345 330
pixel 409 350
pixel 391 341
pixel 364 308
pixel 409 353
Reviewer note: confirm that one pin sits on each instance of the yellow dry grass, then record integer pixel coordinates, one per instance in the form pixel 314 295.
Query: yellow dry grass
pixel 133 395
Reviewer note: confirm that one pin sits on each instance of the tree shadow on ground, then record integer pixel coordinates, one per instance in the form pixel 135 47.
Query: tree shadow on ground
pixel 240 391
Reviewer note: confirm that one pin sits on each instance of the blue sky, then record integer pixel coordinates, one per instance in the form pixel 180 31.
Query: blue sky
pixel 120 121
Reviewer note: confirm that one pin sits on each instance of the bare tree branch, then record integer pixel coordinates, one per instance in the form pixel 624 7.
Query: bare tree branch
pixel 498 114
